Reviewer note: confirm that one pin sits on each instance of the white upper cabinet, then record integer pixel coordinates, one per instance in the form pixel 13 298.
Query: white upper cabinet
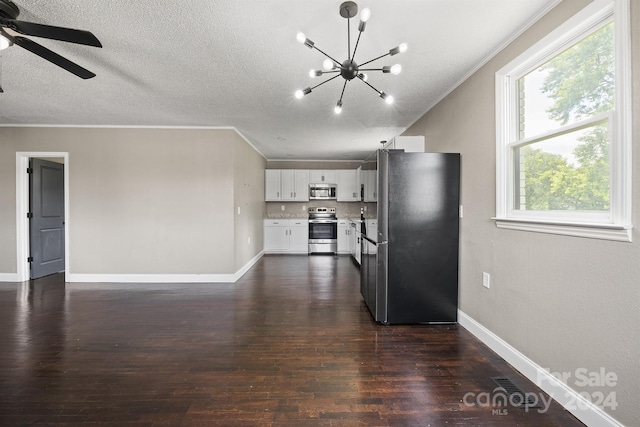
pixel 272 189
pixel 287 185
pixel 301 188
pixel 348 185
pixel 370 185
pixel 322 176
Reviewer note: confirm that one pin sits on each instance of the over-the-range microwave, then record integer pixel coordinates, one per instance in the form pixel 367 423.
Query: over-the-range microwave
pixel 322 191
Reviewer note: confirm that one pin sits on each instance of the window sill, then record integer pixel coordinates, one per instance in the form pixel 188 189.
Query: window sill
pixel 591 231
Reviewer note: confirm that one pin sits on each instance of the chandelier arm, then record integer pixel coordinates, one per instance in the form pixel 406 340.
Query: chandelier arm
pixel 379 93
pixel 356 48
pixel 343 88
pixel 374 59
pixel 328 56
pixel 328 80
pixel 349 38
pixel 369 69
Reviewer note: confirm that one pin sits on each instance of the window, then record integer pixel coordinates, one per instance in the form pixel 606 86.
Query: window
pixel 563 129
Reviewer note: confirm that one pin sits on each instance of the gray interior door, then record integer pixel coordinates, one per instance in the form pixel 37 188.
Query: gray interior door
pixel 46 208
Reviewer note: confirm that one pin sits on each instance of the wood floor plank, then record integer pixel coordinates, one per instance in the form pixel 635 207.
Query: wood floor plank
pixel 290 344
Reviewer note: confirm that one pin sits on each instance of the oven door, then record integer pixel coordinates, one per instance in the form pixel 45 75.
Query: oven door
pixel 323 229
pixel 323 236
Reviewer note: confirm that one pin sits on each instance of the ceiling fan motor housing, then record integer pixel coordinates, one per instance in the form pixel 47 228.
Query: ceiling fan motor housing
pixel 8 9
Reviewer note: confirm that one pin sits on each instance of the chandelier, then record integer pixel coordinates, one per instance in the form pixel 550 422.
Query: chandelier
pixel 349 69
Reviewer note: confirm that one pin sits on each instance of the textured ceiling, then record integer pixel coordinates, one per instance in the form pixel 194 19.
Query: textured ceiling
pixel 237 63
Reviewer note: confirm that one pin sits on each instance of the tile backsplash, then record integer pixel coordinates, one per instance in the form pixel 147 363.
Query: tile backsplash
pixel 299 209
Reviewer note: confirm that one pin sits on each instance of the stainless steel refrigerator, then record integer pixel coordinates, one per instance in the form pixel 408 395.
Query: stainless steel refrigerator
pixel 410 260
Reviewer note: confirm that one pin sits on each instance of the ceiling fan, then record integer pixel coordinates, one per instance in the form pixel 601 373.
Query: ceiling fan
pixel 10 27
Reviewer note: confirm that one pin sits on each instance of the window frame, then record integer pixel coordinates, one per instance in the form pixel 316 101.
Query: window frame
pixel 616 224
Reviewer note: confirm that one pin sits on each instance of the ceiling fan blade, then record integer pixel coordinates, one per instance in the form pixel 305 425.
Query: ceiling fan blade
pixel 53 57
pixel 70 35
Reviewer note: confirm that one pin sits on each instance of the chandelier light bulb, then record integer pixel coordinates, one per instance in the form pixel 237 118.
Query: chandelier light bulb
pixel 364 17
pixel 402 48
pixel 396 69
pixel 300 93
pixel 387 98
pixel 338 108
pixel 365 14
pixel 363 77
pixel 328 64
pixel 301 37
pixel 315 73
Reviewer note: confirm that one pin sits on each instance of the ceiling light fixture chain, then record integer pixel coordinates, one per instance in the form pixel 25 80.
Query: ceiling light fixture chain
pixel 349 69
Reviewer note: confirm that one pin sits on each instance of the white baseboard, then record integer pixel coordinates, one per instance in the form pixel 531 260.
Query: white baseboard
pixel 9 277
pixel 164 278
pixel 571 400
pixel 247 266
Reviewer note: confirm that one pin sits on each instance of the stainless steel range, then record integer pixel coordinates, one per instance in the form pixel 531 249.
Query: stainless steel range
pixel 323 230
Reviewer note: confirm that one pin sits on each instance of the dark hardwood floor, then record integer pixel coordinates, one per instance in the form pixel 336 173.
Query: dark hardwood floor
pixel 290 344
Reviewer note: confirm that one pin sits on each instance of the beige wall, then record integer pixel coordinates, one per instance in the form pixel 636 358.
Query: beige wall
pixel 142 201
pixel 564 302
pixel 248 193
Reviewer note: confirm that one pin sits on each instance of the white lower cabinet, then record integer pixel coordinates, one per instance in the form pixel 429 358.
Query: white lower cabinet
pixel 357 251
pixel 276 235
pixel 344 236
pixel 286 236
pixel 299 236
pixel 354 238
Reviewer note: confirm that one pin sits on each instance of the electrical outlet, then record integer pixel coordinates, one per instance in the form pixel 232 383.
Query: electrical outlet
pixel 304 208
pixel 238 210
pixel 460 211
pixel 249 240
pixel 282 207
pixel 486 280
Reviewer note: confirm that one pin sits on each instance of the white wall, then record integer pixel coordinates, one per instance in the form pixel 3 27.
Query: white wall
pixel 142 201
pixel 564 302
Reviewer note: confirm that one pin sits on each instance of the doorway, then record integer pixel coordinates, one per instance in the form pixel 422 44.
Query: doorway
pixel 46 217
pixel 58 257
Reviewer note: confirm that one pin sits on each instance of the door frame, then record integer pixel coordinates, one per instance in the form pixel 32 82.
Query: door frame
pixel 22 208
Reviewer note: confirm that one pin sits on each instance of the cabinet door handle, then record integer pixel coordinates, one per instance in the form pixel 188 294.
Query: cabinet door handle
pixel 295 194
pixel 278 194
pixel 292 195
